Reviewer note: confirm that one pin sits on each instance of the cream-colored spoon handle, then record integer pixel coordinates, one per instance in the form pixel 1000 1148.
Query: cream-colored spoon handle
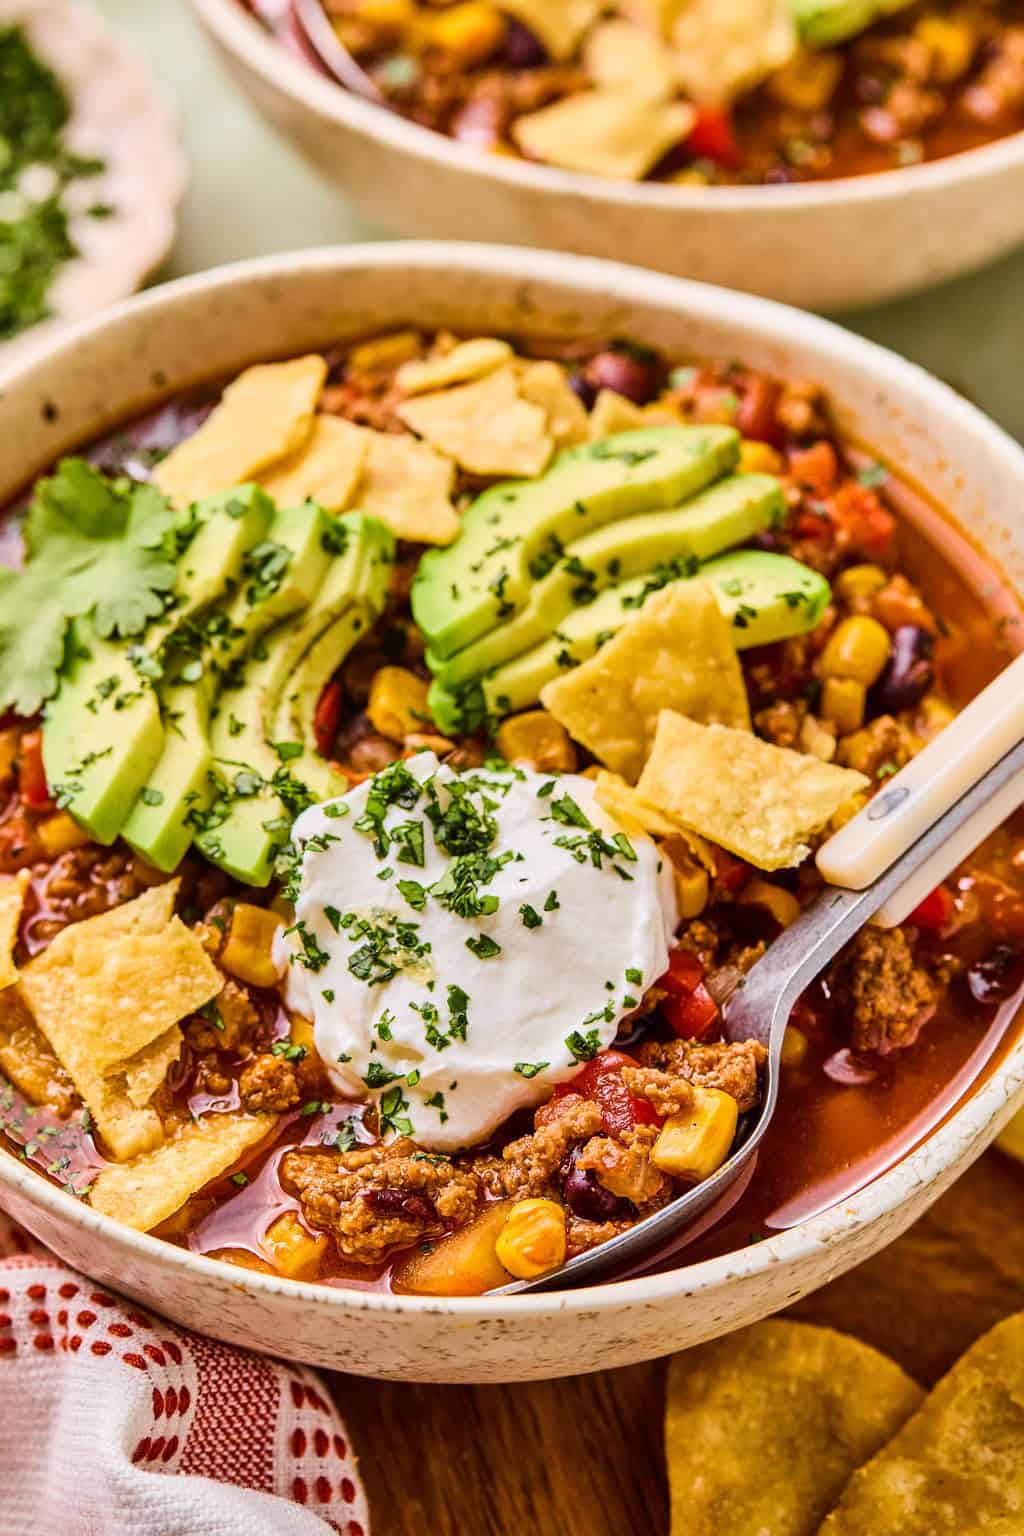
pixel 931 782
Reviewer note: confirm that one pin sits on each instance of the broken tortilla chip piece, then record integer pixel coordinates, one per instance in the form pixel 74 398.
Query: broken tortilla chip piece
pixel 144 1192
pixel 613 413
pixel 12 899
pixel 622 56
pixel 621 801
pixel 957 1466
pixel 146 1070
pixel 27 1058
pixel 545 384
pixel 409 487
pixel 484 426
pixel 723 50
pixel 601 132
pixel 764 1427
pixel 469 360
pixel 266 414
pixel 559 27
pixel 761 802
pixel 677 653
pixel 325 469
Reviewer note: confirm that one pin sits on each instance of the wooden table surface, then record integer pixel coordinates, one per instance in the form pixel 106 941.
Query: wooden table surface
pixel 582 1456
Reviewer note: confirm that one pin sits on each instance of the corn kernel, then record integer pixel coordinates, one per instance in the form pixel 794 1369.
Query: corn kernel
pixel 397 705
pixel 794 1047
pixel 848 810
pixel 860 581
pixel 859 648
pixel 301 1033
pixel 692 883
pixel 843 701
pixel 695 1142
pixel 951 41
pixel 782 904
pixel 294 1251
pixel 808 81
pixel 539 739
pixel 933 716
pixel 59 832
pixel 759 459
pixel 467 32
pixel 532 1240
pixel 10 740
pixel 247 949
pixel 387 13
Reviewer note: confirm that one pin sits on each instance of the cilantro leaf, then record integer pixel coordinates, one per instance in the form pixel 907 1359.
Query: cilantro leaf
pixel 93 545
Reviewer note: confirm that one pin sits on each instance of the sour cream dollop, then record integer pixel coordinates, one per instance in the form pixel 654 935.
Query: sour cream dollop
pixel 463 942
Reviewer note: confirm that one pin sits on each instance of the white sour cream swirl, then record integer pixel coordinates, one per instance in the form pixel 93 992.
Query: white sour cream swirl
pixel 451 1037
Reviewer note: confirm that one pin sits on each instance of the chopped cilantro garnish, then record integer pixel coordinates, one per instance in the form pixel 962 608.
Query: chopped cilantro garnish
pixel 635 976
pixel 378 1076
pixel 313 956
pixel 392 1118
pixel 286 750
pixel 414 893
pixel 344 1138
pixel 288 1049
pixel 584 1047
pixel 530 1068
pixel 530 916
pixel 483 946
pixel 551 903
pixel 241 1179
pixel 150 796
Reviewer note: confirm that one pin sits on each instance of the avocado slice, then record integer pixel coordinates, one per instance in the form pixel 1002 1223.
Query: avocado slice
pixel 727 514
pixel 515 531
pixel 269 777
pixel 101 733
pixel 278 574
pixel 823 23
pixel 766 596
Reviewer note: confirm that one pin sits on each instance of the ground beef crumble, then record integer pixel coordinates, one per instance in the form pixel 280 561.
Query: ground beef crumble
pixel 380 1198
pixel 886 996
pixel 731 1066
pixel 624 1167
pixel 527 1166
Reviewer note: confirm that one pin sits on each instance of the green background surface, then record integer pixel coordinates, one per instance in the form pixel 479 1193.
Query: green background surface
pixel 250 194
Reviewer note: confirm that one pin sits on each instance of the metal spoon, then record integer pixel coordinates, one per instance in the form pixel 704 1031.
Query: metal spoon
pixel 903 844
pixel 331 50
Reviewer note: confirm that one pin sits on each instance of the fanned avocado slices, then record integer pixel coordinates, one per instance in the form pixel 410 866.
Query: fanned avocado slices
pixel 766 597
pixel 514 532
pixel 823 23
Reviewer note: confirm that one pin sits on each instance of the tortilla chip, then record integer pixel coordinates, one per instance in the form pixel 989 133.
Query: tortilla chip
pixel 469 360
pixel 622 56
pixel 759 801
pixel 146 1070
pixel 677 653
pixel 622 802
pixel 12 899
pixel 28 1060
pixel 409 487
pixel 764 1427
pixel 484 426
pixel 144 1192
pixel 604 133
pixel 613 413
pixel 958 1465
pixel 264 415
pixel 559 27
pixel 546 385
pixel 326 468
pixel 723 50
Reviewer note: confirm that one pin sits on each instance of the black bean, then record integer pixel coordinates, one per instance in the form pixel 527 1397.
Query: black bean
pixel 998 976
pixel 523 49
pixel 626 374
pixel 908 673
pixel 588 1198
pixel 581 386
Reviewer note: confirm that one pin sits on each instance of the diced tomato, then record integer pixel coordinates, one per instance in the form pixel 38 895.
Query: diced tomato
pixel 816 467
pixel 811 525
pixel 32 784
pixel 935 912
pixel 689 1009
pixel 731 874
pixel 327 717
pixel 713 137
pixel 601 1080
pixel 869 526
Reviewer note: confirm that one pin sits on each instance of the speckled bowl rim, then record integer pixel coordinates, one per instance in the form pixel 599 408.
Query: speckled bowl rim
pixel 243 36
pixel 964 1132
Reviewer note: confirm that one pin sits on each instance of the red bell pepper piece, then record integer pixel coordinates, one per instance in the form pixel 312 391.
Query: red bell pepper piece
pixel 689 1009
pixel 713 137
pixel 601 1080
pixel 327 717
pixel 815 467
pixel 935 912
pixel 32 784
pixel 731 873
pixel 869 526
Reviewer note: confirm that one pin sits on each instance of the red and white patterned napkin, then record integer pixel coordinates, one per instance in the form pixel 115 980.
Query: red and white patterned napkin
pixel 113 1420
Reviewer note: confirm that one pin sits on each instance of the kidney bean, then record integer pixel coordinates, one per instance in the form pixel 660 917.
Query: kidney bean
pixel 396 1202
pixel 998 976
pixel 626 374
pixel 908 673
pixel 523 49
pixel 588 1198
